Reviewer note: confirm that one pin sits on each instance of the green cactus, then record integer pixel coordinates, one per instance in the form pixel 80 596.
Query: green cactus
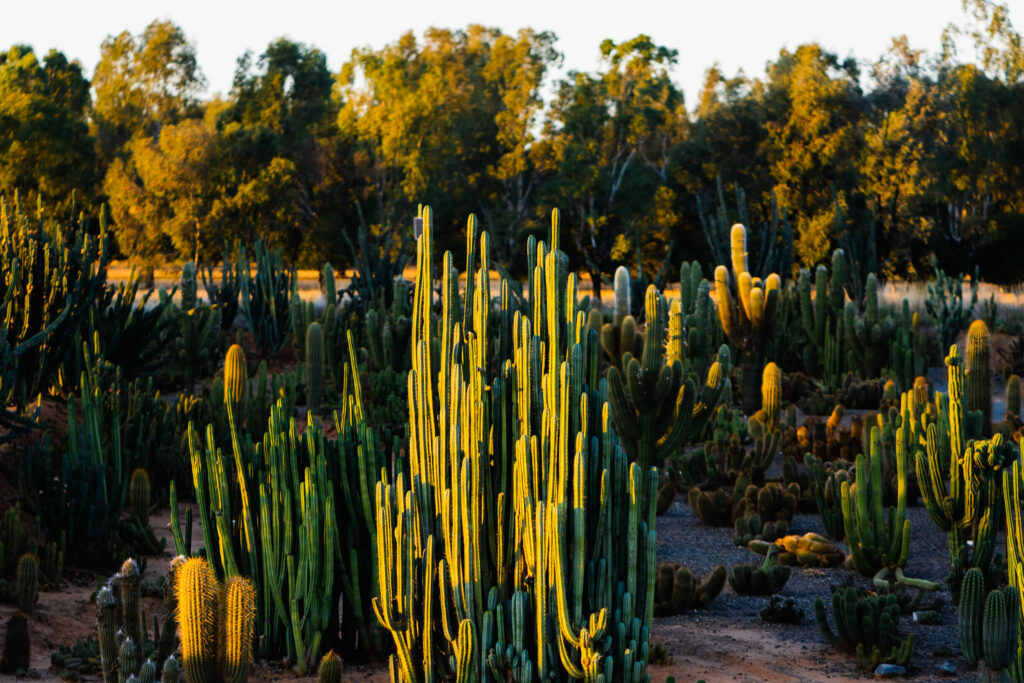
pixel 978 385
pixel 172 670
pixel 236 378
pixel 988 626
pixel 131 616
pixel 1013 394
pixel 147 672
pixel 677 590
pixel 747 308
pixel 126 656
pixel 865 626
pixel 28 582
pixel 188 286
pixel 138 493
pixel 331 669
pixel 108 620
pixel 771 395
pixel 828 496
pixel 265 297
pixel 767 579
pixel 314 366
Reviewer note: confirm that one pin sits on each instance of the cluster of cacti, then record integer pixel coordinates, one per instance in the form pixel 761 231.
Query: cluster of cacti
pixel 766 579
pixel 58 273
pixel 879 543
pixel 747 308
pixel 126 648
pixel 216 623
pixel 945 304
pixel 820 315
pixel 867 626
pixel 620 336
pixel 677 590
pixel 224 294
pixel 15 544
pixel 528 582
pixel 989 626
pixel 959 477
pixel 265 296
pixel 828 495
pixel 251 400
pixel 809 550
pixel 654 407
pixel 764 513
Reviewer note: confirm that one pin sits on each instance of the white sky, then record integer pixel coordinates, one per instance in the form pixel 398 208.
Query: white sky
pixel 737 33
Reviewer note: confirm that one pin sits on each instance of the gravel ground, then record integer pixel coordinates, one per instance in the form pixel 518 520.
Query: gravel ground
pixel 729 641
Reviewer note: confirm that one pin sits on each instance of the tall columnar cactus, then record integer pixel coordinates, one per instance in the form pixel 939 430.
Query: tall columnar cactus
pixel 27 582
pixel 978 384
pixel 958 478
pixel 188 286
pixel 138 493
pixel 236 378
pixel 623 294
pixel 819 314
pixel 1013 394
pixel 652 404
pixel 771 395
pixel 747 308
pixel 236 618
pixel 314 366
pixel 107 619
pixel 515 489
pixel 197 620
pixel 988 626
pixel 879 543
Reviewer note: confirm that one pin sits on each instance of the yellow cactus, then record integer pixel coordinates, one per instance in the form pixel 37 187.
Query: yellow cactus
pixel 197 620
pixel 237 616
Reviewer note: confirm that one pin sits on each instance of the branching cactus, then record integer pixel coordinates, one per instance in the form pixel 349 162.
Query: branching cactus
pixel 652 403
pixel 879 544
pixel 497 558
pixel 819 313
pixel 747 308
pixel 978 384
pixel 959 479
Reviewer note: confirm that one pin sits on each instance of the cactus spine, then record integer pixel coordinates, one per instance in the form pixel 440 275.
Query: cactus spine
pixel 978 384
pixel 314 366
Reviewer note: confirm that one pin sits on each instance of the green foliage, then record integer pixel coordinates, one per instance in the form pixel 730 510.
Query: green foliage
pixel 265 296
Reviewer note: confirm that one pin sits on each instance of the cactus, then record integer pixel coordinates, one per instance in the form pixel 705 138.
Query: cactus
pixel 677 590
pixel 147 672
pixel 131 617
pixel 314 366
pixel 28 582
pixel 988 626
pixel 265 297
pixel 197 620
pixel 108 619
pixel 331 669
pixel 865 626
pixel 771 395
pixel 828 496
pixel 138 493
pixel 766 579
pixel 747 309
pixel 1013 394
pixel 17 647
pixel 172 670
pixel 127 653
pixel 878 547
pixel 236 378
pixel 236 616
pixel 978 386
pixel 945 303
pixel 809 550
pixel 529 586
pixel 188 286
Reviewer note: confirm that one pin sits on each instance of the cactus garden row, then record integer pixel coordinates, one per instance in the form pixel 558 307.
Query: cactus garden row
pixel 463 476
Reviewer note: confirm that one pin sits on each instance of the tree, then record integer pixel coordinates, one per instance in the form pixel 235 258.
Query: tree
pixel 813 111
pixel 45 148
pixel 143 83
pixel 616 134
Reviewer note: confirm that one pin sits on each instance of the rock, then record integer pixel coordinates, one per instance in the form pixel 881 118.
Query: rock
pixel 948 668
pixel 889 671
